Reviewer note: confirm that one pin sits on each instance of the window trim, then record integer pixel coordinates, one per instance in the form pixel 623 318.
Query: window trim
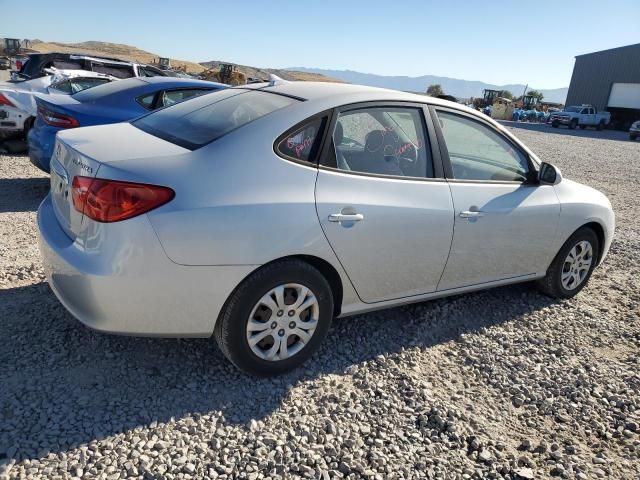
pixel 428 133
pixel 448 170
pixel 314 154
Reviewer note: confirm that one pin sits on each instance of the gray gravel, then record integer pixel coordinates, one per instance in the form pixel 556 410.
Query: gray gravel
pixel 499 384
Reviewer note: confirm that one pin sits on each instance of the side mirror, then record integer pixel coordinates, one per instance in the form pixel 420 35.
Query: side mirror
pixel 549 174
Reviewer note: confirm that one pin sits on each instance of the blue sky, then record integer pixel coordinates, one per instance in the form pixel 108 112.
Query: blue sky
pixel 498 42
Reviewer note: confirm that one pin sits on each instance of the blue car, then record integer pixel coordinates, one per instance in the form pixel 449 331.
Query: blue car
pixel 111 103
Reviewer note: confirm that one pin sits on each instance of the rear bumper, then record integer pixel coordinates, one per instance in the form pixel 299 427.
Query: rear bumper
pixel 116 278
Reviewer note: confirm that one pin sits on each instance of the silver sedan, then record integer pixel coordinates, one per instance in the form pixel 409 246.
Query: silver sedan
pixel 258 214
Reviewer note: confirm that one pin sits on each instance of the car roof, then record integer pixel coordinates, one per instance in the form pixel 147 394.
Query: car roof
pixel 344 93
pixel 178 81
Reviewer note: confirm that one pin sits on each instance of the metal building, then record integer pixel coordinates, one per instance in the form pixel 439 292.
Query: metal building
pixel 609 80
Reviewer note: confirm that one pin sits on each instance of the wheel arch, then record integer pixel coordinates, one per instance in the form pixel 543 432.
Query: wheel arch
pixel 328 271
pixel 599 231
pixel 325 268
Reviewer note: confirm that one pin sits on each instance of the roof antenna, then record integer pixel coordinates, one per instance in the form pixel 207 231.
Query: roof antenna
pixel 276 80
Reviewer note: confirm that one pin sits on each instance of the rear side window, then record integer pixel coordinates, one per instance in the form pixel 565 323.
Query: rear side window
pixel 204 119
pixel 302 142
pixel 147 100
pixel 383 141
pixel 76 85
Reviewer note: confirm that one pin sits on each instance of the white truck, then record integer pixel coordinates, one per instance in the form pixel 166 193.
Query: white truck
pixel 582 116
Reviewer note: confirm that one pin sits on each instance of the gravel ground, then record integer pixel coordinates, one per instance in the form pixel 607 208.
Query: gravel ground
pixel 504 383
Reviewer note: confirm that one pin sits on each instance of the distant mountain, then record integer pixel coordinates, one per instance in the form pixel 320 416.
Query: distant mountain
pixel 452 86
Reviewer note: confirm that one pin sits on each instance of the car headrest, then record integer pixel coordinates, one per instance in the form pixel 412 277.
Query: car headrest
pixel 338 133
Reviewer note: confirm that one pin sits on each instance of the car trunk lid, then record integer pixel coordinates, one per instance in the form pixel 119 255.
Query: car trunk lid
pixel 81 152
pixel 66 163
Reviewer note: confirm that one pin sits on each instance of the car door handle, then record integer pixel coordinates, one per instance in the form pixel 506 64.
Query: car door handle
pixel 346 217
pixel 471 214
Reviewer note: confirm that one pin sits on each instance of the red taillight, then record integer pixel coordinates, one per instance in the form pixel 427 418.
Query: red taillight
pixel 113 200
pixel 18 64
pixel 57 119
pixel 5 101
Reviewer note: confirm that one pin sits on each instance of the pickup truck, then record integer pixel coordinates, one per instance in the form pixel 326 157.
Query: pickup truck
pixel 580 116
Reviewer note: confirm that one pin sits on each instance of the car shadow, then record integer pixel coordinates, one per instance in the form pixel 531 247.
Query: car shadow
pixel 64 385
pixel 22 194
pixel 586 133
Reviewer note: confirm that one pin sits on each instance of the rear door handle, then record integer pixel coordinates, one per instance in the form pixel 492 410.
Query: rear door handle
pixel 471 214
pixel 346 217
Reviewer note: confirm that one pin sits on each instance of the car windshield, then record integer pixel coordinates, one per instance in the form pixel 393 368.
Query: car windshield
pixel 573 109
pixel 204 119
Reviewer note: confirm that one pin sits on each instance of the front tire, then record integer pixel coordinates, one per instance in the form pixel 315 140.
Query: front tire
pixel 573 124
pixel 632 137
pixel 276 319
pixel 555 124
pixel 572 267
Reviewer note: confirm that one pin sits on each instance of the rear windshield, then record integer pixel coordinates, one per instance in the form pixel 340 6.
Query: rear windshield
pixel 202 120
pixel 108 89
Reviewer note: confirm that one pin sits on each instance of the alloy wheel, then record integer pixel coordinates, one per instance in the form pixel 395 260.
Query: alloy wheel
pixel 576 265
pixel 282 322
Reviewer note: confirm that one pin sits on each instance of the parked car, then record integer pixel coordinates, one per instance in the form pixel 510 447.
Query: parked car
pixel 634 131
pixel 37 64
pixel 583 116
pixel 259 213
pixel 17 100
pixel 116 102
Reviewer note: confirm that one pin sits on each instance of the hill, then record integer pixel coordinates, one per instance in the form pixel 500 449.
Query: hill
pixel 117 50
pixel 134 54
pixel 452 86
pixel 255 72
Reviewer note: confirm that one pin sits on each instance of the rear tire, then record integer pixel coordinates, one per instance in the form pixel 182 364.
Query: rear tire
pixel 560 281
pixel 247 315
pixel 573 124
pixel 582 127
pixel 632 136
pixel 600 126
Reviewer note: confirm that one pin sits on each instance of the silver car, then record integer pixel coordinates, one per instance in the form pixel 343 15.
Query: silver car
pixel 258 214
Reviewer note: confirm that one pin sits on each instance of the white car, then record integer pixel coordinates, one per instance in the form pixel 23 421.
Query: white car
pixel 259 213
pixel 17 100
pixel 634 131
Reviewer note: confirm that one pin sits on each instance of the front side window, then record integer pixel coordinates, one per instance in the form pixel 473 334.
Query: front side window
pixel 383 141
pixel 300 143
pixel 206 118
pixel 477 152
